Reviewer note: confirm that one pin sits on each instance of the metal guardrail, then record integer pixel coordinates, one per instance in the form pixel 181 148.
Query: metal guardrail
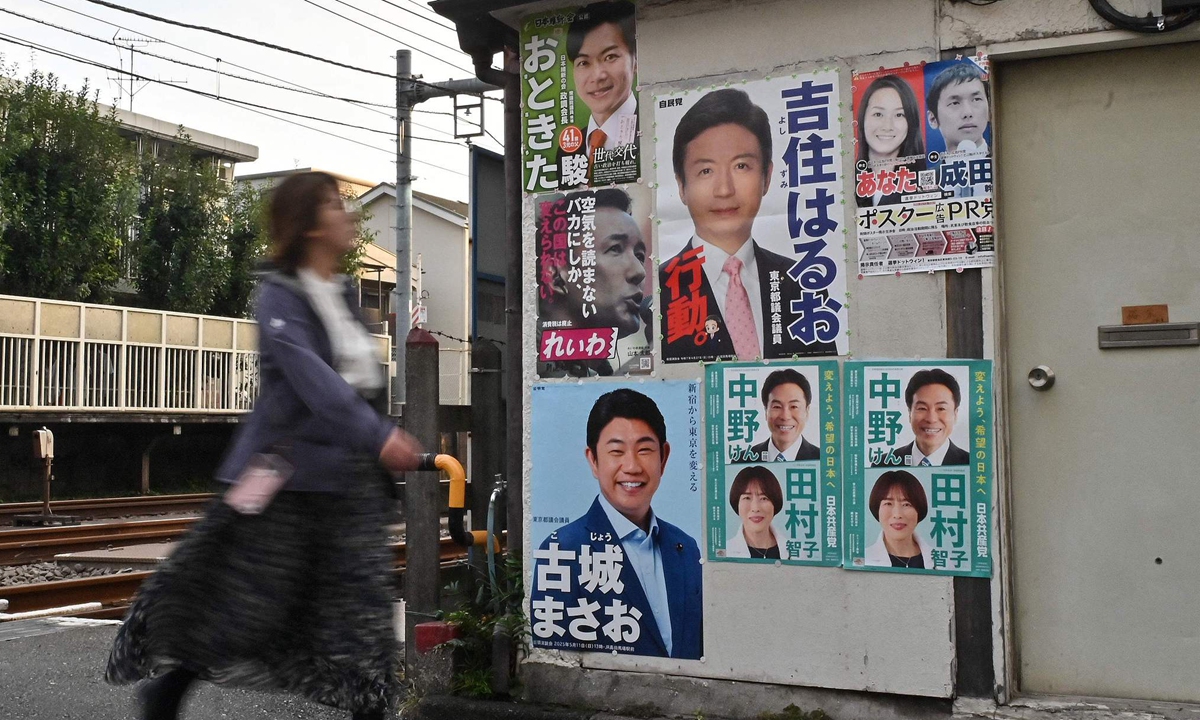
pixel 64 356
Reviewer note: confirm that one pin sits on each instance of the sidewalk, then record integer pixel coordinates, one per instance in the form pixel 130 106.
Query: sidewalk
pixel 54 669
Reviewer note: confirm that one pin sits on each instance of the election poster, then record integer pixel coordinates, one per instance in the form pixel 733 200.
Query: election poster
pixel 750 220
pixel 774 463
pixel 919 458
pixel 616 518
pixel 923 167
pixel 594 298
pixel 579 93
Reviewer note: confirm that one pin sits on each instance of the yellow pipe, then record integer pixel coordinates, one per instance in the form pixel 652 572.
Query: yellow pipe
pixel 458 480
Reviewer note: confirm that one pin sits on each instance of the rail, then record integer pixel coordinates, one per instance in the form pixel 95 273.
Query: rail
pixel 79 357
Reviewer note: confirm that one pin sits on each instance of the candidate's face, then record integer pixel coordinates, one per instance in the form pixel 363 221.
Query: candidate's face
pixel 932 416
pixel 884 124
pixel 723 184
pixel 897 516
pixel 711 327
pixel 962 113
pixel 628 463
pixel 604 71
pixel 755 508
pixel 787 411
pixel 620 271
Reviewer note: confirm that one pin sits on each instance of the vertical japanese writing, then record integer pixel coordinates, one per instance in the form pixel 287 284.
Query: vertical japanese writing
pixel 541 51
pixel 812 176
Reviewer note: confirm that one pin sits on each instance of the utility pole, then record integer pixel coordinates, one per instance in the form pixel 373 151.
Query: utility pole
pixel 409 93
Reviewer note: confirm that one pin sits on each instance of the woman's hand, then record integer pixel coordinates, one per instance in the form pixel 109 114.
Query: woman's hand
pixel 399 453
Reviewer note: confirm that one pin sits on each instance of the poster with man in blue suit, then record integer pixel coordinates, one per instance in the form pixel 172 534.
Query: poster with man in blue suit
pixel 611 572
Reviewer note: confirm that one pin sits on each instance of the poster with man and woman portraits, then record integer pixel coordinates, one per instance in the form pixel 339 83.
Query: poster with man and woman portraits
pixel 923 167
pixel 774 462
pixel 919 460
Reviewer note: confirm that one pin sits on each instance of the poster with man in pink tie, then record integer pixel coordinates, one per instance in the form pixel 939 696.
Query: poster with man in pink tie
pixel 751 221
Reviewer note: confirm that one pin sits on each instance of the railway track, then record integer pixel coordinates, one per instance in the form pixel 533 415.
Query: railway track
pixel 37 544
pixel 111 507
pixel 115 592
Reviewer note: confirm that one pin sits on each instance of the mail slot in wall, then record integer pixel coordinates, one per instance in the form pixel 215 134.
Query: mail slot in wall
pixel 1152 335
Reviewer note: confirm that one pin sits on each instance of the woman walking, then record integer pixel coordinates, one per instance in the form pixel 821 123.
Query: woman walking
pixel 286 583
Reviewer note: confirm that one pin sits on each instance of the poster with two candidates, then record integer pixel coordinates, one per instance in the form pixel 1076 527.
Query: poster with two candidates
pixel 919 464
pixel 923 167
pixel 616 517
pixel 774 462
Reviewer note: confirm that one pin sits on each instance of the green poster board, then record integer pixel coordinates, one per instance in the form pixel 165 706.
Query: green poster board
pixel 919 462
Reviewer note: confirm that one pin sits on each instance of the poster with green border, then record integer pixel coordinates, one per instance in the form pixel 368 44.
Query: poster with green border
pixel 773 462
pixel 579 114
pixel 919 453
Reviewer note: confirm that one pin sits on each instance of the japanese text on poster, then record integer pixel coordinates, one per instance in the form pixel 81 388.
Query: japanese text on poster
pixel 919 456
pixel 615 502
pixel 751 240
pixel 594 298
pixel 774 474
pixel 578 85
pixel 923 167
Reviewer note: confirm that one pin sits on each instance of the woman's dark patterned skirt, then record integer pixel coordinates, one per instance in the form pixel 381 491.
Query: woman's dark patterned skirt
pixel 297 599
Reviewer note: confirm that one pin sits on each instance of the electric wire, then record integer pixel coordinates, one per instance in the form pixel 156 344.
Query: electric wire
pixel 1149 24
pixel 381 34
pixel 456 51
pixel 236 103
pixel 365 106
pixel 252 41
pixel 185 63
pixel 433 20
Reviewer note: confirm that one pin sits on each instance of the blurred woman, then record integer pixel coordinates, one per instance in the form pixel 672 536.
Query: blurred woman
pixel 889 133
pixel 756 497
pixel 898 502
pixel 286 583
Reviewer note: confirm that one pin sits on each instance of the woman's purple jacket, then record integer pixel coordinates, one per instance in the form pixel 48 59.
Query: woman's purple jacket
pixel 305 411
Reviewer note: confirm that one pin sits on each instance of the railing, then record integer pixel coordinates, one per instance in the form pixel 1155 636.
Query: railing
pixel 62 356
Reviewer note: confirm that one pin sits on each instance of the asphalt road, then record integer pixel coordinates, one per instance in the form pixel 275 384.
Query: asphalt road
pixel 51 670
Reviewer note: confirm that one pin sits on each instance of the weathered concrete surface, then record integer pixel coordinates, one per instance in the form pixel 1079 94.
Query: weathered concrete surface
pixel 644 694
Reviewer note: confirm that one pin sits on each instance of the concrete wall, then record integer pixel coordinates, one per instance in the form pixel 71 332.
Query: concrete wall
pixel 818 627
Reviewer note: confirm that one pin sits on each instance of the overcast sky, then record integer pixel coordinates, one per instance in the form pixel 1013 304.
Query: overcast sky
pixel 296 24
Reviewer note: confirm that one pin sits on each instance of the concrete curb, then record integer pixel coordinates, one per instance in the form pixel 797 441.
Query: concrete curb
pixel 447 707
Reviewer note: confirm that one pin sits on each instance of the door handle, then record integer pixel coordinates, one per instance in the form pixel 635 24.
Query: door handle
pixel 1041 378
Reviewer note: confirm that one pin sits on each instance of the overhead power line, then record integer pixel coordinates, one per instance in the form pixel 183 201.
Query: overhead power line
pixel 223 33
pixel 383 34
pixel 185 63
pixel 433 20
pixel 298 87
pixel 253 107
pixel 456 51
pixel 193 91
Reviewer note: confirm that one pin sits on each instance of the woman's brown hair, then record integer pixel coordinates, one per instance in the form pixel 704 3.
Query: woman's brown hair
pixel 908 484
pixel 767 482
pixel 296 211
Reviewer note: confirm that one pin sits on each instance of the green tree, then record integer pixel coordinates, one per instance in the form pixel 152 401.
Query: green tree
pixel 68 190
pixel 182 255
pixel 245 245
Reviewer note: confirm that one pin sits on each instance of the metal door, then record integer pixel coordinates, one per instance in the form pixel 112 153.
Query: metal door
pixel 1099 188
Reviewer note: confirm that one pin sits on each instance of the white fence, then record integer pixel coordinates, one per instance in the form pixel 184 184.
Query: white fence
pixel 60 356
pixel 454 371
